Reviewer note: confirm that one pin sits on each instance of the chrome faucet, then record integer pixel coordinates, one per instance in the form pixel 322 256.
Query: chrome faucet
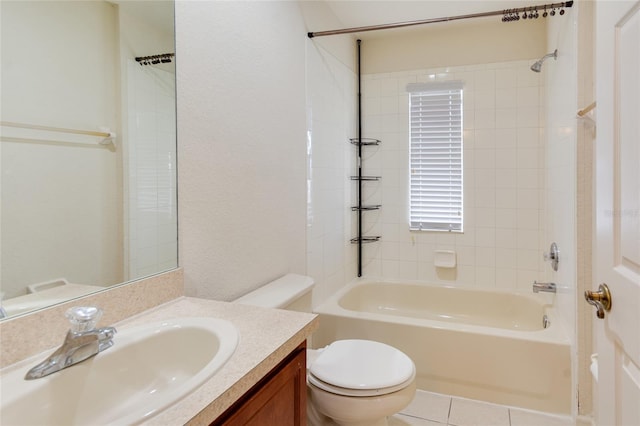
pixel 83 341
pixel 547 287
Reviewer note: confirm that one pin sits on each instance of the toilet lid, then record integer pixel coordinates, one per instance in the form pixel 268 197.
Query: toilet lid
pixel 361 365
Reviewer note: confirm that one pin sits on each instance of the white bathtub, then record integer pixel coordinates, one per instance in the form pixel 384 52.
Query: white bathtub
pixel 485 345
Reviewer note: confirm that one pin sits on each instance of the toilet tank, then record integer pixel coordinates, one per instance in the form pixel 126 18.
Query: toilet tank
pixel 291 292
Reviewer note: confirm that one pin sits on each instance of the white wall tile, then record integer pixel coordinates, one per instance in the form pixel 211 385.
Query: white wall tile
pixel 506 198
pixel 505 277
pixel 486 118
pixel 507 258
pixel 506 158
pixel 503 172
pixel 465 255
pixel 528 117
pixel 527 97
pixel 485 198
pixel 528 178
pixel 506 138
pixel 505 78
pixel 506 118
pixel 481 139
pixel 506 238
pixel 485 80
pixel 486 256
pixel 506 98
pixel 485 159
pixel 485 99
pixel 389 87
pixel 506 218
pixel 485 217
pixel 528 199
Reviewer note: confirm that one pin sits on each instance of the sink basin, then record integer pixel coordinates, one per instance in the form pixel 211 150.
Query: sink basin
pixel 149 368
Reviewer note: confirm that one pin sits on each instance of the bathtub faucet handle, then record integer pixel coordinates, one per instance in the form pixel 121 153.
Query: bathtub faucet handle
pixel 552 256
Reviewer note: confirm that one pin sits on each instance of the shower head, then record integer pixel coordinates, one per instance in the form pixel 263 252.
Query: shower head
pixel 538 65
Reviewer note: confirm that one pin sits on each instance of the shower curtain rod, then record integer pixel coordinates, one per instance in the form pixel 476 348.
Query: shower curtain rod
pixel 436 20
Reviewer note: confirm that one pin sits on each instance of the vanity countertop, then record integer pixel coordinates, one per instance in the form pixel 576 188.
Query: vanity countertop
pixel 267 336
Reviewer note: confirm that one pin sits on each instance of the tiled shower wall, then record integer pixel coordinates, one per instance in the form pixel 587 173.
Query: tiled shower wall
pixel 504 179
pixel 330 123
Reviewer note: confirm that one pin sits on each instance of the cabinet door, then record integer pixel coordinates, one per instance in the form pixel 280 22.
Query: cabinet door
pixel 278 400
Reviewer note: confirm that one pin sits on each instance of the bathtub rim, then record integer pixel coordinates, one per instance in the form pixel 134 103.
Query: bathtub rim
pixel 556 333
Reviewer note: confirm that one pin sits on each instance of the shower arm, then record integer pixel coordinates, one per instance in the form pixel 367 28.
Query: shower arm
pixel 436 20
pixel 537 66
pixel 550 55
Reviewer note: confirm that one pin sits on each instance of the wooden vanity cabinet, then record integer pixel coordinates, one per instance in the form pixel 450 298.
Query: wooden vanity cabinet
pixel 278 399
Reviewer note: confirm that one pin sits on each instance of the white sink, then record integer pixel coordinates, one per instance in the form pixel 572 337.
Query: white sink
pixel 148 369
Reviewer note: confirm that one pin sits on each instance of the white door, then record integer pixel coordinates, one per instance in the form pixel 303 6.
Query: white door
pixel 617 233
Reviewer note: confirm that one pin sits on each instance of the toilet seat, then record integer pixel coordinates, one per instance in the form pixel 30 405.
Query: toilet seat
pixel 361 368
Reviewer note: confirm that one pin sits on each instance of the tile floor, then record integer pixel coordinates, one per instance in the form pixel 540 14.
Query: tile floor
pixel 432 409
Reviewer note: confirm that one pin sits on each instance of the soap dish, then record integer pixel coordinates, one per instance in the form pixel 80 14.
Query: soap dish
pixel 445 259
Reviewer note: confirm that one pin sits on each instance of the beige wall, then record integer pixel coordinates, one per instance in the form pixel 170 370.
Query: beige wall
pixel 264 114
pixel 586 135
pixel 478 41
pixel 242 150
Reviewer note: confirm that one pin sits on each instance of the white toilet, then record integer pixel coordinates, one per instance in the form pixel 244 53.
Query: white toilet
pixel 349 382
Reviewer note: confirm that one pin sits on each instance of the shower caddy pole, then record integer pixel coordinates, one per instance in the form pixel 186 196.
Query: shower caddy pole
pixel 359 194
pixel 512 14
pixel 359 141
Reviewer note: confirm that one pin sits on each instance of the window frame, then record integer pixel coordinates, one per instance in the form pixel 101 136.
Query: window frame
pixel 436 143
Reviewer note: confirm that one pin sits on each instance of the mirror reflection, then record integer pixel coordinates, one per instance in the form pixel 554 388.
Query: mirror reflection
pixel 88 148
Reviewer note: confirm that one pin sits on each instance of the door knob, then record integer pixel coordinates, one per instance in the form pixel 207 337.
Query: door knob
pixel 601 299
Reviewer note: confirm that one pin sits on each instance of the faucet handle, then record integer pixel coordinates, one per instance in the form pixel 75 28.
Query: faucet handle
pixel 83 318
pixel 552 256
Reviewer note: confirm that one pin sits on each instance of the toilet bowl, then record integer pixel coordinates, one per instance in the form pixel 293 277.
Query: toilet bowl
pixel 349 382
pixel 358 383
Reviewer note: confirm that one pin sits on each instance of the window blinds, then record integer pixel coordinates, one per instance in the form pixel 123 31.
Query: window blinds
pixel 436 156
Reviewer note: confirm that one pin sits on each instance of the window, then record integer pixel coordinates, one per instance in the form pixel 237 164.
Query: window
pixel 435 196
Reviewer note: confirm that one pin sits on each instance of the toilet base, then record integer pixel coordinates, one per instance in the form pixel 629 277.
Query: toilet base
pixel 327 409
pixel 314 418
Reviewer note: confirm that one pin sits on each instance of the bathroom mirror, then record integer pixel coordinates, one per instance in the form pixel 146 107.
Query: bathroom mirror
pixel 87 147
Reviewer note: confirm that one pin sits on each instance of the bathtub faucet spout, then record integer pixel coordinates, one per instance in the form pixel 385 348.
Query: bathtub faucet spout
pixel 547 287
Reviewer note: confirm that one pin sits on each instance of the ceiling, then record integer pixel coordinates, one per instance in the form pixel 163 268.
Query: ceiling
pixel 156 13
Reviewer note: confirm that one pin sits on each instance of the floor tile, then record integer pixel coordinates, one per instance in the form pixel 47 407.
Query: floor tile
pixel 465 412
pixel 428 405
pixel 402 420
pixel 528 418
